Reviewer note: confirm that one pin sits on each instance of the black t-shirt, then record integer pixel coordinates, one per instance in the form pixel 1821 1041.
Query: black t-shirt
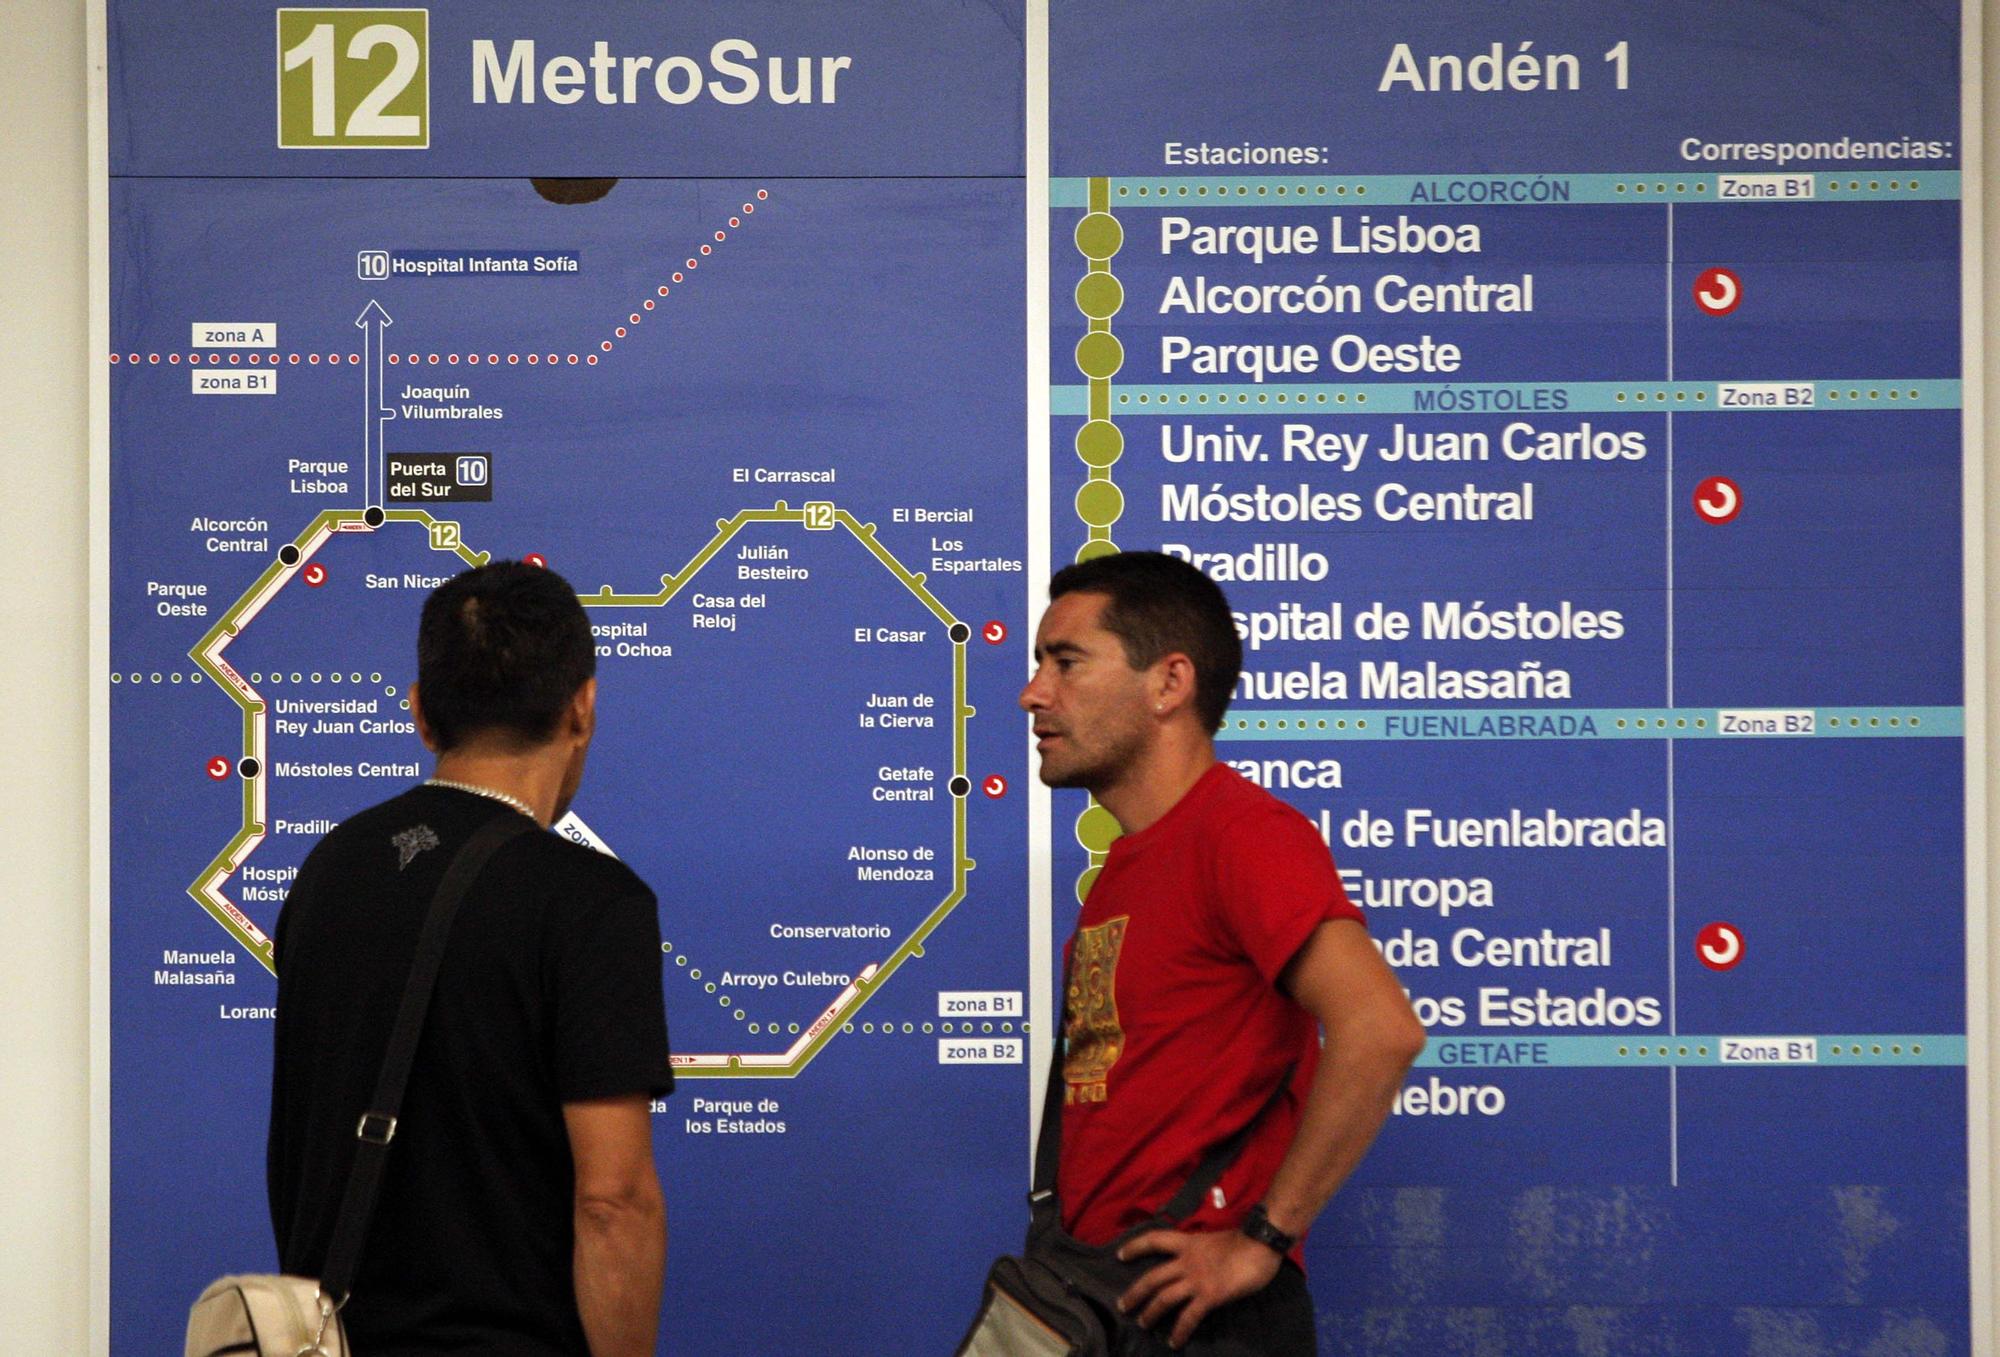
pixel 549 993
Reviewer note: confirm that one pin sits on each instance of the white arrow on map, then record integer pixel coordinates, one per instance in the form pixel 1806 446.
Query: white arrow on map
pixel 374 414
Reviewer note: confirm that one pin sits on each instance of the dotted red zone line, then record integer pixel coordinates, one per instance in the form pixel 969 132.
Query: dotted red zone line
pixel 635 318
pixel 236 359
pixel 693 262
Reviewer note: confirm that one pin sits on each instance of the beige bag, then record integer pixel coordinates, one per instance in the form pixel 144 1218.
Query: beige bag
pixel 261 1315
pixel 265 1316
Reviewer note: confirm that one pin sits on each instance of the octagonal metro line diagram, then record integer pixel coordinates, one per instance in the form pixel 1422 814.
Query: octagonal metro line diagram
pixel 294 559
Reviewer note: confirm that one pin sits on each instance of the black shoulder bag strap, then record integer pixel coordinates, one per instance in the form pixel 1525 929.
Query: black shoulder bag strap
pixel 378 1125
pixel 1048 1142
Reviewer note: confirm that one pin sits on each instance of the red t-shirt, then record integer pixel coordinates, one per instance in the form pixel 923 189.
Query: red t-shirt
pixel 1175 1029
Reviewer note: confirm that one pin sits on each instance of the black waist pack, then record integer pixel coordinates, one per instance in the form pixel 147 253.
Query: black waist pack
pixel 1060 1297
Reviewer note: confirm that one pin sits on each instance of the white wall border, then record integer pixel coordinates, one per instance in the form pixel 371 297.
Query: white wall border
pixel 99 680
pixel 44 765
pixel 1041 898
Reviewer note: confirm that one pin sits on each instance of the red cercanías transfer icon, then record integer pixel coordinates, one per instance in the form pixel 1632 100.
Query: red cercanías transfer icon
pixel 994 786
pixel 314 575
pixel 1718 499
pixel 995 632
pixel 1718 291
pixel 1720 946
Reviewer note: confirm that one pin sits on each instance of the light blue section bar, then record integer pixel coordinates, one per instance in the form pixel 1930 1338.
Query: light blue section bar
pixel 1499 398
pixel 1492 190
pixel 1483 1054
pixel 1597 723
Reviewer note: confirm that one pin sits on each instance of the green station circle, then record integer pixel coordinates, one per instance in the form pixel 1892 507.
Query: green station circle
pixel 1096 829
pixel 1099 355
pixel 1099 235
pixel 1100 503
pixel 1099 296
pixel 1099 443
pixel 1095 548
pixel 1084 883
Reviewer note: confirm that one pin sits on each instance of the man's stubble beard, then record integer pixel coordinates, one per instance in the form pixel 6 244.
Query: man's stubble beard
pixel 1108 768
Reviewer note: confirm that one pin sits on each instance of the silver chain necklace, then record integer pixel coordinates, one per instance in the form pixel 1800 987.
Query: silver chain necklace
pixel 516 802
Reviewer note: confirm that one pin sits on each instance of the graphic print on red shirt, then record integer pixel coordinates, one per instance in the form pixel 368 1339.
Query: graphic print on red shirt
pixel 1176 1032
pixel 1092 1038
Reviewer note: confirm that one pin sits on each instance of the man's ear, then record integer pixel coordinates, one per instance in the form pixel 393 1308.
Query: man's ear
pixel 583 710
pixel 1173 683
pixel 423 725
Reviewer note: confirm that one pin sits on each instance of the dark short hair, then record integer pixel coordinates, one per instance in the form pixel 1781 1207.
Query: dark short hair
pixel 501 648
pixel 1160 604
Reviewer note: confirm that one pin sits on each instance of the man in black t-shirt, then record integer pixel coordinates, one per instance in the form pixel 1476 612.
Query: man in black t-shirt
pixel 520 1211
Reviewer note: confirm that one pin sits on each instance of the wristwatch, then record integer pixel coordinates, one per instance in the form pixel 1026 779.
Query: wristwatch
pixel 1259 1227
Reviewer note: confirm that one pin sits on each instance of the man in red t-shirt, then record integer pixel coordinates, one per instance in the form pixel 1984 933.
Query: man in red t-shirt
pixel 1215 948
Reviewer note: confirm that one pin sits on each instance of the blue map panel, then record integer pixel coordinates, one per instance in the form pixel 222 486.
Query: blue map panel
pixel 1569 399
pixel 761 404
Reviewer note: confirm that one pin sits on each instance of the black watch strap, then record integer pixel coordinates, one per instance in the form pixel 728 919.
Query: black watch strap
pixel 1259 1227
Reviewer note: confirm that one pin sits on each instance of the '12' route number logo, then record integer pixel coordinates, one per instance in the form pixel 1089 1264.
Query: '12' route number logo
pixel 354 77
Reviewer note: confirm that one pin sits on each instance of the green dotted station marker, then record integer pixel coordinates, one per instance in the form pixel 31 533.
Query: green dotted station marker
pixel 1099 355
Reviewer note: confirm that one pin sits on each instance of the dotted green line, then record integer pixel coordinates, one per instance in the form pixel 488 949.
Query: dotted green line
pixel 1875 186
pixel 271 679
pixel 1752 395
pixel 1490 190
pixel 1154 191
pixel 1583 723
pixel 1876 394
pixel 1657 188
pixel 275 678
pixel 1246 723
pixel 693 973
pixel 1099 443
pixel 1636 396
pixel 947 1028
pixel 1096 829
pixel 1099 356
pixel 1241 398
pixel 1770 1051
